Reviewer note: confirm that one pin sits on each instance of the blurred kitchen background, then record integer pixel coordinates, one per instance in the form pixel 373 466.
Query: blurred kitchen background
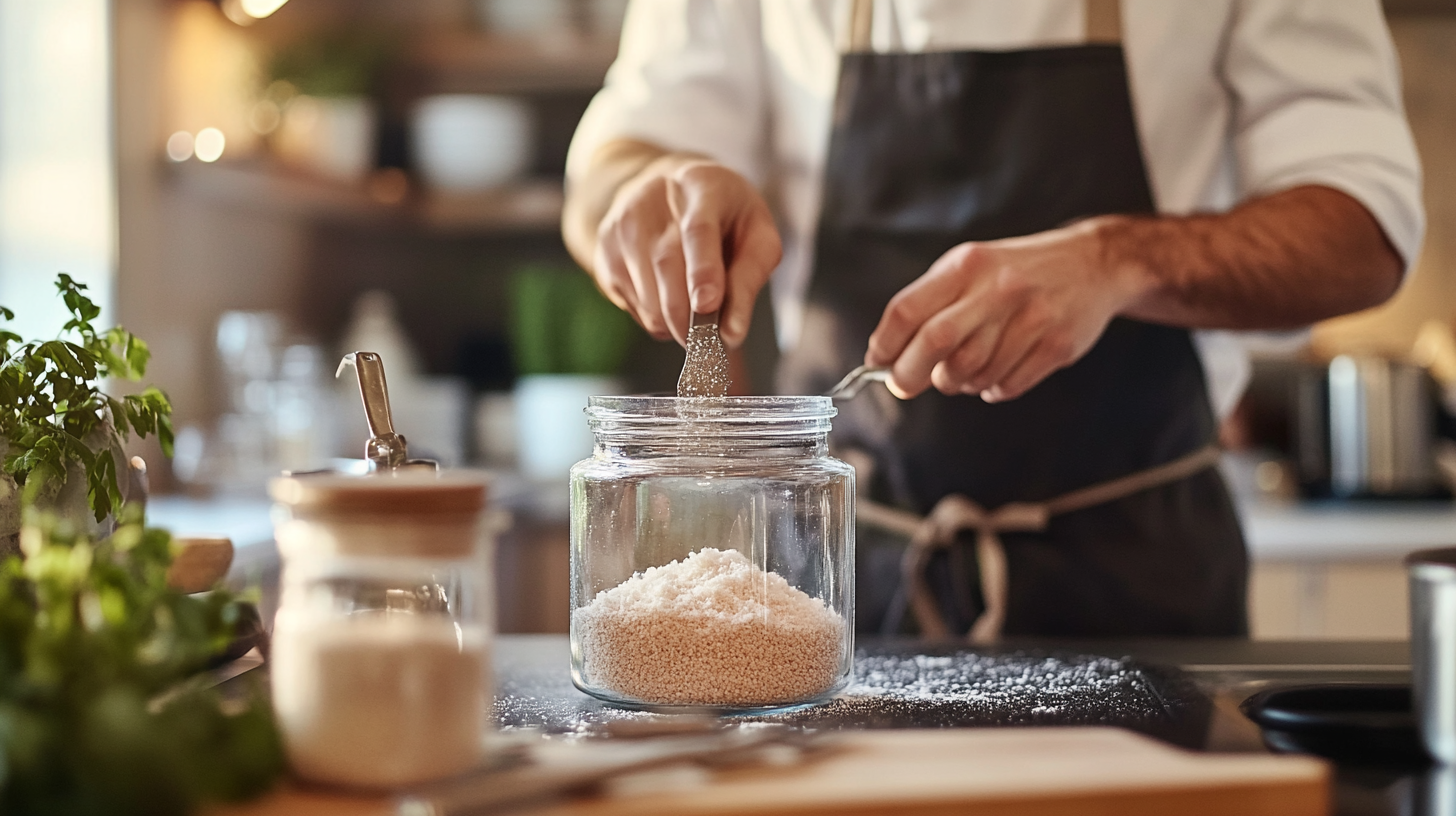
pixel 256 187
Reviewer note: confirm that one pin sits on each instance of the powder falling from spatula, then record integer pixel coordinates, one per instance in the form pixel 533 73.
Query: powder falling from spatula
pixel 705 371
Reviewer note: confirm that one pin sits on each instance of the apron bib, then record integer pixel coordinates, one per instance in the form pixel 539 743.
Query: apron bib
pixel 927 151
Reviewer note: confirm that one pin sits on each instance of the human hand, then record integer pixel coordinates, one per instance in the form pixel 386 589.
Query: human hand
pixel 995 318
pixel 686 234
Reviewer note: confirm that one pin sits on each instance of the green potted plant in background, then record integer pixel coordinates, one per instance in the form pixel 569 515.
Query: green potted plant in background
pixel 569 343
pixel 320 97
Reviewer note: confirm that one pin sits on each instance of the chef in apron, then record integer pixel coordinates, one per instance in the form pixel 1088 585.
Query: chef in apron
pixel 987 227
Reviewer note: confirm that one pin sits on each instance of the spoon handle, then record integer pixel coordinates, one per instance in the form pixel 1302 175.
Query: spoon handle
pixel 856 380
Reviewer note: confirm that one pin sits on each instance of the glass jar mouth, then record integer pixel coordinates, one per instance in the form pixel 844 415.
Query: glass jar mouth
pixel 728 416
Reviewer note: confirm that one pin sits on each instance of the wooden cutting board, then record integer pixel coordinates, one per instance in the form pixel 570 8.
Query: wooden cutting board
pixel 1007 772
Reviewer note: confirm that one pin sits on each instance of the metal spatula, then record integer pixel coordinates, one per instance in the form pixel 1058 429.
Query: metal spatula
pixel 705 371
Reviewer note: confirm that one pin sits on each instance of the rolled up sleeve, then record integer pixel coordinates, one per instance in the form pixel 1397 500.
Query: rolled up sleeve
pixel 1316 86
pixel 688 76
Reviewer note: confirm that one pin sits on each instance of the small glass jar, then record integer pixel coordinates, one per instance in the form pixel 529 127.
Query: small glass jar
pixel 380 663
pixel 712 554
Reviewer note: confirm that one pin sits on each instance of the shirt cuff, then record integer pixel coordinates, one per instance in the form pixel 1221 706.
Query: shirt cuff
pixel 1369 155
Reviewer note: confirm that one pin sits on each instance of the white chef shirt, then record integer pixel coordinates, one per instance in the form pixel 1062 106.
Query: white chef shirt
pixel 1233 99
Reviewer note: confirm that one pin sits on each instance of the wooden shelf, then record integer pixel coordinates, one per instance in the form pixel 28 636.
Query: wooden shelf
pixel 467 62
pixel 530 205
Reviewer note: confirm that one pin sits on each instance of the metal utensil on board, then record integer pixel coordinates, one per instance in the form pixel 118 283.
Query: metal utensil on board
pixel 705 369
pixel 385 450
pixel 1433 649
pixel 857 379
pixel 588 765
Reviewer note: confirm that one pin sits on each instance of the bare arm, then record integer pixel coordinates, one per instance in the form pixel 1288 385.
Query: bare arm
pixel 1282 261
pixel 664 233
pixel 995 318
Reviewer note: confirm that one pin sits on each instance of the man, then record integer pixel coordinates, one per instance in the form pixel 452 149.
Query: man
pixel 1032 212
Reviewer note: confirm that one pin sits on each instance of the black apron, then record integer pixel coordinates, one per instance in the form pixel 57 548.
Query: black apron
pixel 929 150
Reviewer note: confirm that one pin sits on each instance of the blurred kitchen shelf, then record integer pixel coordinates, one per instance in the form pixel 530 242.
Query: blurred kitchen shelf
pixel 531 205
pixel 472 62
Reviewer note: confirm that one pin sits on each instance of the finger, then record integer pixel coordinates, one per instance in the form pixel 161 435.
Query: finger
pixel 672 286
pixel 644 285
pixel 691 195
pixel 1021 335
pixel 610 273
pixel 757 253
pixel 912 306
pixel 1040 362
pixel 937 338
pixel 951 375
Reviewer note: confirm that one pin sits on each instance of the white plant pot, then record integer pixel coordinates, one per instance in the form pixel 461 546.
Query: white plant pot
pixel 329 136
pixel 467 142
pixel 551 430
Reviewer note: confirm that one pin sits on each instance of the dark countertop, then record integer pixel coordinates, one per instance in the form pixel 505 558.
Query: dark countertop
pixel 1183 691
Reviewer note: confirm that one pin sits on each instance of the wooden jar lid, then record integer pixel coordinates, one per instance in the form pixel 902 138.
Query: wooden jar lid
pixel 375 495
pixel 414 515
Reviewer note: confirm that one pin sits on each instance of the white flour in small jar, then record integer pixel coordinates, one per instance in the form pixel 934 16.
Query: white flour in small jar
pixel 712 629
pixel 379 701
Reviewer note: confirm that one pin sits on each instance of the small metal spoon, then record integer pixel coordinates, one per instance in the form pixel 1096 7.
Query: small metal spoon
pixel 857 379
pixel 705 369
pixel 386 450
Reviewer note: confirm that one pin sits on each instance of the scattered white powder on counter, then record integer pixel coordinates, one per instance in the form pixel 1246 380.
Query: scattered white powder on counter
pixel 712 629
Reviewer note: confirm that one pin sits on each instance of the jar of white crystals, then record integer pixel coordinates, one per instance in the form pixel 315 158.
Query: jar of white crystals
pixel 380 663
pixel 712 559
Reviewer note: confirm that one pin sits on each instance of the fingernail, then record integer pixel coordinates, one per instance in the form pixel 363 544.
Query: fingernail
pixel 702 296
pixel 992 395
pixel 734 330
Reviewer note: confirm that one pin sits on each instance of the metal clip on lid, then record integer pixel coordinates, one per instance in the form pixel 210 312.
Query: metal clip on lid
pixel 386 450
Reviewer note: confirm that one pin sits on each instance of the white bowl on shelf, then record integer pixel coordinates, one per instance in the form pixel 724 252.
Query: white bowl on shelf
pixel 470 142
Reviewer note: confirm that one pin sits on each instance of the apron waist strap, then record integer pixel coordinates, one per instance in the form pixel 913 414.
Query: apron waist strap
pixel 955 513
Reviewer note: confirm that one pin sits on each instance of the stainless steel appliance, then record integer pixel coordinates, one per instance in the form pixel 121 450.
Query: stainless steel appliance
pixel 1366 427
pixel 1433 649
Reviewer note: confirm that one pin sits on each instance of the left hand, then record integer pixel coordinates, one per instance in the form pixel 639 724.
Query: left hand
pixel 995 318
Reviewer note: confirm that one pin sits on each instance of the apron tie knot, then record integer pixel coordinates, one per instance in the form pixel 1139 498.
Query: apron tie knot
pixel 949 517
pixel 955 513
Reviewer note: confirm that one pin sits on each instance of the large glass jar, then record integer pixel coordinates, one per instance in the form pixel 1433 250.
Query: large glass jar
pixel 380 664
pixel 712 554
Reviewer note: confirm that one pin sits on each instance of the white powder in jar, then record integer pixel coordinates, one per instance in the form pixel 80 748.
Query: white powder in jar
pixel 379 701
pixel 712 629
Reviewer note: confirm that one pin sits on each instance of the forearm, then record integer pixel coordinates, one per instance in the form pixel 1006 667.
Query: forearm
pixel 1282 261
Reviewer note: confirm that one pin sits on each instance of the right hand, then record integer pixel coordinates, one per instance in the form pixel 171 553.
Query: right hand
pixel 686 235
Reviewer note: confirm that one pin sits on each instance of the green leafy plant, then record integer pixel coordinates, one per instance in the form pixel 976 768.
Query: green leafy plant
pixel 333 64
pixel 561 324
pixel 52 409
pixel 101 707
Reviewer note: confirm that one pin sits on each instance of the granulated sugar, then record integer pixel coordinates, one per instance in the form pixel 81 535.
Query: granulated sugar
pixel 379 701
pixel 712 629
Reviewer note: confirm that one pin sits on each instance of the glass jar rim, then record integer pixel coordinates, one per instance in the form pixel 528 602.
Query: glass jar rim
pixel 745 418
pixel 673 410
